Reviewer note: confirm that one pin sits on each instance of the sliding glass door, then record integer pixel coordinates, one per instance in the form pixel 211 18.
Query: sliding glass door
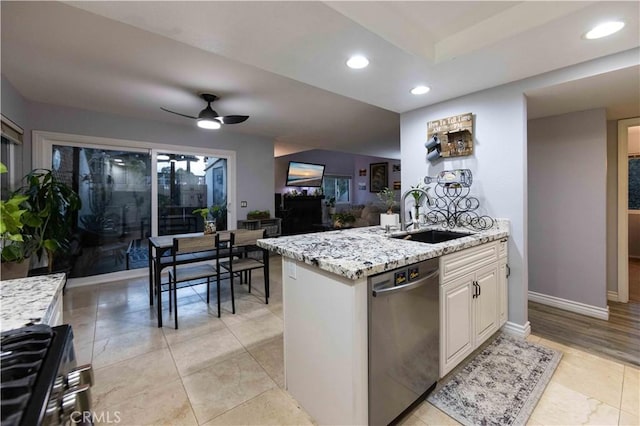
pixel 130 191
pixel 188 182
pixel 115 190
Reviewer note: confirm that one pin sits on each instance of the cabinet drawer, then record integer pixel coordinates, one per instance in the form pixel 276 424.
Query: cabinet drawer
pixel 465 261
pixel 502 247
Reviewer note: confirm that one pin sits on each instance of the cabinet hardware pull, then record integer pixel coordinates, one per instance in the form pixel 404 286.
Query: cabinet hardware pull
pixel 479 289
pixel 475 289
pixel 508 271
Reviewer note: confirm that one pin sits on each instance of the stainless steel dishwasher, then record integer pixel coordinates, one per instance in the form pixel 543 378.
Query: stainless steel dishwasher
pixel 403 339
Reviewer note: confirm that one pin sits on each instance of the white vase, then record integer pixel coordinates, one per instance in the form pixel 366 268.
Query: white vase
pixel 389 219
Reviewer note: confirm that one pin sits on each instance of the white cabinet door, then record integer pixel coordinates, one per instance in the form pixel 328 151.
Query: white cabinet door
pixel 503 284
pixel 456 313
pixel 486 303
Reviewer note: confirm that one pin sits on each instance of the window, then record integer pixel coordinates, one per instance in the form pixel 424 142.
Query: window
pixel 338 187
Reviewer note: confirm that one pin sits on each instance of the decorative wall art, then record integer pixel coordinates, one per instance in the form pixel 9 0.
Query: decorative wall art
pixel 378 176
pixel 362 172
pixel 395 168
pixel 450 137
pixel 362 186
pixel 397 185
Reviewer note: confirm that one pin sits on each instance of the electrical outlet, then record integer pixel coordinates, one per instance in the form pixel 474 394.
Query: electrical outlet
pixel 243 204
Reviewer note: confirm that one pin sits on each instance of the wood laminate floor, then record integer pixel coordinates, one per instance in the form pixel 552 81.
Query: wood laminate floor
pixel 634 279
pixel 618 338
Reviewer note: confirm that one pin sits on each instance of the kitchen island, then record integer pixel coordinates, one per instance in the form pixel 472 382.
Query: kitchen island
pixel 325 310
pixel 31 300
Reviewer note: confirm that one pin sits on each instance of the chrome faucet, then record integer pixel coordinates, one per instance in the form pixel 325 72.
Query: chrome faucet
pixel 403 201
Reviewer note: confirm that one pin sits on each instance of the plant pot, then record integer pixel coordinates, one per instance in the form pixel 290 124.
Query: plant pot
pixel 12 270
pixel 209 227
pixel 389 219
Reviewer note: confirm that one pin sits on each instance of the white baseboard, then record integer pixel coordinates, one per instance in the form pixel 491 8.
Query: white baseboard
pixel 522 331
pixel 107 278
pixel 570 305
pixel 613 296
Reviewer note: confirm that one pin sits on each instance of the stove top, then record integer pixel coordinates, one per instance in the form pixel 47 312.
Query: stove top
pixel 32 360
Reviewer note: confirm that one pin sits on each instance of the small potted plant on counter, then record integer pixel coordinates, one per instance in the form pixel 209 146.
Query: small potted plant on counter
pixel 388 197
pixel 417 192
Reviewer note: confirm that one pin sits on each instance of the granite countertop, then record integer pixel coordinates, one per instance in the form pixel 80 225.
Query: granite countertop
pixel 360 252
pixel 26 301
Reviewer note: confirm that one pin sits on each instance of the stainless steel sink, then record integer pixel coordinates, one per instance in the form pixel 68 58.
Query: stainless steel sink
pixel 432 236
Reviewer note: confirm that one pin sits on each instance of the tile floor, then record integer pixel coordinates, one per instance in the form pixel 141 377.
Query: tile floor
pixel 229 370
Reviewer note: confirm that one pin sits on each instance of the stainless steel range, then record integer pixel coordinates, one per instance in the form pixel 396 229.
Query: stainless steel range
pixel 41 383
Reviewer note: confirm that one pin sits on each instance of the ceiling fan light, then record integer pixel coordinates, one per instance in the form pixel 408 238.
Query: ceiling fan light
pixel 604 29
pixel 205 123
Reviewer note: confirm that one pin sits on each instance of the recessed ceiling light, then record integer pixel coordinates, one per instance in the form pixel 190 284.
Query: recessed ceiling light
pixel 163 157
pixel 604 29
pixel 357 62
pixel 420 90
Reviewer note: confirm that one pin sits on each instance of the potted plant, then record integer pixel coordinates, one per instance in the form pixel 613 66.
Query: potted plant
pixel 388 197
pixel 50 206
pixel 207 217
pixel 331 204
pixel 258 214
pixel 16 247
pixel 214 217
pixel 417 192
pixel 343 219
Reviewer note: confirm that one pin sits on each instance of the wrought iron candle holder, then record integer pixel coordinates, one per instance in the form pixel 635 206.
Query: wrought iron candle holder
pixel 452 206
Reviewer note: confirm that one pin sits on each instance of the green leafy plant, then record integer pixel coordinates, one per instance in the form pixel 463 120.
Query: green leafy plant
pixel 343 219
pixel 387 196
pixel 258 214
pixel 203 212
pixel 16 247
pixel 217 212
pixel 330 202
pixel 50 205
pixel 416 193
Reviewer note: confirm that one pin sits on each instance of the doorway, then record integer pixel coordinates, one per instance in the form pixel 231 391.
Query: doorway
pixel 628 209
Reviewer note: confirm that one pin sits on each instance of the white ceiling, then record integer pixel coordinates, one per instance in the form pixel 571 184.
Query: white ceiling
pixel 282 63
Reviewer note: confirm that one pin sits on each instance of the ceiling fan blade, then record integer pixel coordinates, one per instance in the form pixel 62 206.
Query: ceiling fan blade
pixel 233 119
pixel 177 113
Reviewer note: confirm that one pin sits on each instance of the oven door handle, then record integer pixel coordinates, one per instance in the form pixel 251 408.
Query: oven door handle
pixel 389 291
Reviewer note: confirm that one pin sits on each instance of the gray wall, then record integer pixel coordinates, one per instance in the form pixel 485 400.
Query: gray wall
pixel 612 205
pixel 254 154
pixel 337 163
pixel 567 206
pixel 14 107
pixel 498 165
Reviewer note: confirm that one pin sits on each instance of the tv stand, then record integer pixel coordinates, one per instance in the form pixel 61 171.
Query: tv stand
pixel 302 213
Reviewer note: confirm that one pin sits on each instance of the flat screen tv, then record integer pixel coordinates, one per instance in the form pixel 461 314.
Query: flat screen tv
pixel 304 174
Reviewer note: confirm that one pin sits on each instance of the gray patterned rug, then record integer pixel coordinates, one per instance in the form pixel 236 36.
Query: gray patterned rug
pixel 501 385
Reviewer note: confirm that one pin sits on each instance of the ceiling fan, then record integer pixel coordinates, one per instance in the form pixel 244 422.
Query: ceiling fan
pixel 208 118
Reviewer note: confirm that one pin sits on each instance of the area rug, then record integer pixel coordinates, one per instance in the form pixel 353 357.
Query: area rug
pixel 500 385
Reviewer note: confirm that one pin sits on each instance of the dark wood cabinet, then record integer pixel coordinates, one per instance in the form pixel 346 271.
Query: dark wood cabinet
pixel 300 214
